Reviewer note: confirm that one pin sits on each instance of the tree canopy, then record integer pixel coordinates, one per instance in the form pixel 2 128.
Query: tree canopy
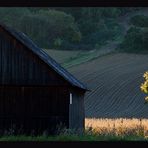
pixel 67 27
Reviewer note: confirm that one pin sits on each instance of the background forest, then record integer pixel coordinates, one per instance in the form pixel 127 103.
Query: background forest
pixel 74 28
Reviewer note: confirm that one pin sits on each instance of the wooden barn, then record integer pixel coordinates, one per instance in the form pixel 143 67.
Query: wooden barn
pixel 36 93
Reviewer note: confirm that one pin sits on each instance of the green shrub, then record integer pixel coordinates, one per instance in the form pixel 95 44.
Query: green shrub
pixel 135 40
pixel 57 43
pixel 139 21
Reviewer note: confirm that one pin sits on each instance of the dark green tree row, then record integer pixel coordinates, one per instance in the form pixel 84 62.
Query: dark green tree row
pixel 66 27
pixel 136 39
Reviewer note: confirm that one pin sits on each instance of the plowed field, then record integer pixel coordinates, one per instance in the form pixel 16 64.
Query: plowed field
pixel 114 81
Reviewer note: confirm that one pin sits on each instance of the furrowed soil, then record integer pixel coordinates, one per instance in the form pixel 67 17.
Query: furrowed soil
pixel 114 81
pixel 113 78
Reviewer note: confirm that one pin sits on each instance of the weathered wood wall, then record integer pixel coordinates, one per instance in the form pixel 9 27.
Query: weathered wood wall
pixel 76 111
pixel 38 108
pixel 19 65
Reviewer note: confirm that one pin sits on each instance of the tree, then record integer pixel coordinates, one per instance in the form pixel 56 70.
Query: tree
pixel 48 27
pixel 139 21
pixel 144 86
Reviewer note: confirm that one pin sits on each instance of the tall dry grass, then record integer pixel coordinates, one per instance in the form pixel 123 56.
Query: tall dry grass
pixel 119 126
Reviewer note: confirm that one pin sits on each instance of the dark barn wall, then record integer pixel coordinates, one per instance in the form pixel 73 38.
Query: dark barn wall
pixel 19 65
pixel 76 110
pixel 38 108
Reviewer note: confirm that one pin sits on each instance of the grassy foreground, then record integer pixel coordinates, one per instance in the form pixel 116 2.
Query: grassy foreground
pixel 103 129
pixel 73 138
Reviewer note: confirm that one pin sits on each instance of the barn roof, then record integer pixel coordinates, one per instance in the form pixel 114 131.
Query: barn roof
pixel 24 39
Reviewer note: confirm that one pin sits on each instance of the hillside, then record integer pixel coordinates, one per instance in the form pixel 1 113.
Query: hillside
pixel 114 81
pixel 75 57
pixel 82 28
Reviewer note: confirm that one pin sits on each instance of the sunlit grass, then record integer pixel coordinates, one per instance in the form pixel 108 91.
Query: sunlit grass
pixel 120 129
pixel 119 126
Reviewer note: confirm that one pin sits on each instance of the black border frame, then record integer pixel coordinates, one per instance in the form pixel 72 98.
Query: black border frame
pixel 72 3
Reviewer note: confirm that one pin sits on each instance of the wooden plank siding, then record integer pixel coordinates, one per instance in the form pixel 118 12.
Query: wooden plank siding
pixel 38 108
pixel 76 110
pixel 20 66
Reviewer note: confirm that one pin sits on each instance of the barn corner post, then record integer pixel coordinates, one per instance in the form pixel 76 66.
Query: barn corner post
pixel 76 111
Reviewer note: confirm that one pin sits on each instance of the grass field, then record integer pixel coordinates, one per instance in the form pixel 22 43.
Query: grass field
pixel 72 58
pixel 62 56
pixel 74 138
pixel 118 127
pixel 102 129
pixel 96 130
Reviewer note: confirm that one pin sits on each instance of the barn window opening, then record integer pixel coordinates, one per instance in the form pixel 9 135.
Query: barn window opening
pixel 70 98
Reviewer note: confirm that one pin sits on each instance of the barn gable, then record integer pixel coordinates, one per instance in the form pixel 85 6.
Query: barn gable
pixel 35 63
pixel 19 66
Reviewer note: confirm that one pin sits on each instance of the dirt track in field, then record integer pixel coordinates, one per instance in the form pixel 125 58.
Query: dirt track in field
pixel 114 81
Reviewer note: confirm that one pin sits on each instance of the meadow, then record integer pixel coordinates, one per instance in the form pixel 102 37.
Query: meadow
pixel 118 126
pixel 103 129
pixel 70 58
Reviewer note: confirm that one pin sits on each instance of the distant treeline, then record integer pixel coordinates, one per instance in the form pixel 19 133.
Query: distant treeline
pixel 136 39
pixel 68 28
